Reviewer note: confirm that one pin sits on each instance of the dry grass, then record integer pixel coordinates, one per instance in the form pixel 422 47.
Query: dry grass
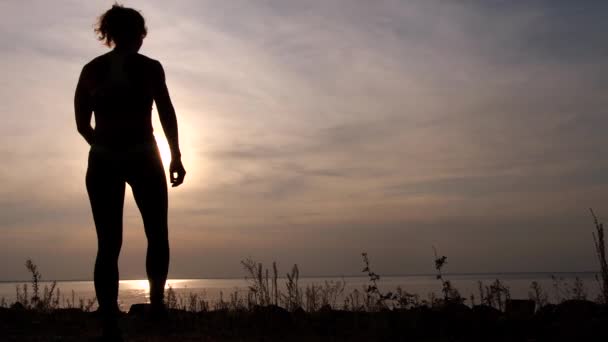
pixel 600 249
pixel 494 295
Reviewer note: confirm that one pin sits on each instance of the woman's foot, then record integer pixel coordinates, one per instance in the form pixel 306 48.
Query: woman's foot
pixel 158 312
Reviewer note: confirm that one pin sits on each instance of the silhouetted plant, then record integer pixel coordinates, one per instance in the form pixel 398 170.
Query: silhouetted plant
pixel 313 297
pixel 560 288
pixel 600 249
pixel 83 304
pixel 375 299
pixel 22 295
pixel 197 302
pixel 86 305
pixel 250 300
pixel 405 300
pixel 318 296
pixel 262 292
pixel 72 304
pixel 331 291
pixel 565 291
pixel 259 282
pixel 450 293
pixel 293 298
pixel 50 295
pixel 431 299
pixel 171 298
pixel 237 303
pixel 578 290
pixel 495 295
pixel 275 276
pixel 538 295
pixel 221 304
pixel 35 280
pixel 483 300
pixel 193 302
pixel 354 301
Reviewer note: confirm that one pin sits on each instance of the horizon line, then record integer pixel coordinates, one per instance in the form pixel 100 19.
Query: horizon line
pixel 329 276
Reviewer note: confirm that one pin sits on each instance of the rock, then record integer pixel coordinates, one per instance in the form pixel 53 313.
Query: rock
pixel 576 309
pixel 486 312
pixel 299 313
pixel 17 306
pixel 572 320
pixel 326 309
pixel 520 309
pixel 270 309
pixel 147 311
pixel 456 309
pixel 545 313
pixel 546 310
pixel 67 312
pixel 270 319
pixel 139 310
pixel 273 312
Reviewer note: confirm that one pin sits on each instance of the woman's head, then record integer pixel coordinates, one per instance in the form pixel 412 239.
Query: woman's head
pixel 121 27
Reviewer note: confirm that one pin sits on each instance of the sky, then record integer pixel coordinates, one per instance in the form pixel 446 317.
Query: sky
pixel 313 131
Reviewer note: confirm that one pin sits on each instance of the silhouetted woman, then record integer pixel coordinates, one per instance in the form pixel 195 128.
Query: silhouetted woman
pixel 120 87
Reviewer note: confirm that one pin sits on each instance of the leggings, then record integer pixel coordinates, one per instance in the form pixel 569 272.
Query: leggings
pixel 108 172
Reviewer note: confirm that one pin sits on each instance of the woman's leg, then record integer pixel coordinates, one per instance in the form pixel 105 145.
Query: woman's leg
pixel 149 185
pixel 106 194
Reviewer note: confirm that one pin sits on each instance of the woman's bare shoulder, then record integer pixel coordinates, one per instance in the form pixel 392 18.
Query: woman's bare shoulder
pixel 147 61
pixel 152 66
pixel 99 65
pixel 95 64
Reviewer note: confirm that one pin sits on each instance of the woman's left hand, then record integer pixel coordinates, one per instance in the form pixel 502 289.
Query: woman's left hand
pixel 177 172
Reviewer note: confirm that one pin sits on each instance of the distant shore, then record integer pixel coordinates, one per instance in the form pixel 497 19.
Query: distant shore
pixel 487 274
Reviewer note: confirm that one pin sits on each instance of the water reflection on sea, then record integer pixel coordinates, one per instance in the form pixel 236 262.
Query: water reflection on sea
pixel 136 291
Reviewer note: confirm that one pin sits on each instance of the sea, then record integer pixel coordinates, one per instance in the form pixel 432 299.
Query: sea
pixel 557 286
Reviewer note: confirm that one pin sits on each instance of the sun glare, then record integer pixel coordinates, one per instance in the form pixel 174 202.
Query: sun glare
pixel 165 152
pixel 142 285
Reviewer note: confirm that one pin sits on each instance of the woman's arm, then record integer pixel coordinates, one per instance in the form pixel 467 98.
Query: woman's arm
pixel 168 120
pixel 166 113
pixel 83 108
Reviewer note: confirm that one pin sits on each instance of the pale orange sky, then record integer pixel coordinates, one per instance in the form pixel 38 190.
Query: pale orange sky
pixel 315 130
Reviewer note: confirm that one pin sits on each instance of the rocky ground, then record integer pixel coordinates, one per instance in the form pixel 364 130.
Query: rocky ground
pixel 569 321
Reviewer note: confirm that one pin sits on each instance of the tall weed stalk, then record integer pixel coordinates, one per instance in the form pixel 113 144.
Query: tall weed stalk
pixel 600 249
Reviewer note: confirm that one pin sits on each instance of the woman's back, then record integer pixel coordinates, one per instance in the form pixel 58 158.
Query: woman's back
pixel 121 89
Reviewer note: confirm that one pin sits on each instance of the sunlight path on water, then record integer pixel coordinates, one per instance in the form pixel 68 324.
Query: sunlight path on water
pixel 139 289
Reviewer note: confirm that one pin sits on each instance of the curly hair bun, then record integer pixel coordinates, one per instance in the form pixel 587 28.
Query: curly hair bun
pixel 120 25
